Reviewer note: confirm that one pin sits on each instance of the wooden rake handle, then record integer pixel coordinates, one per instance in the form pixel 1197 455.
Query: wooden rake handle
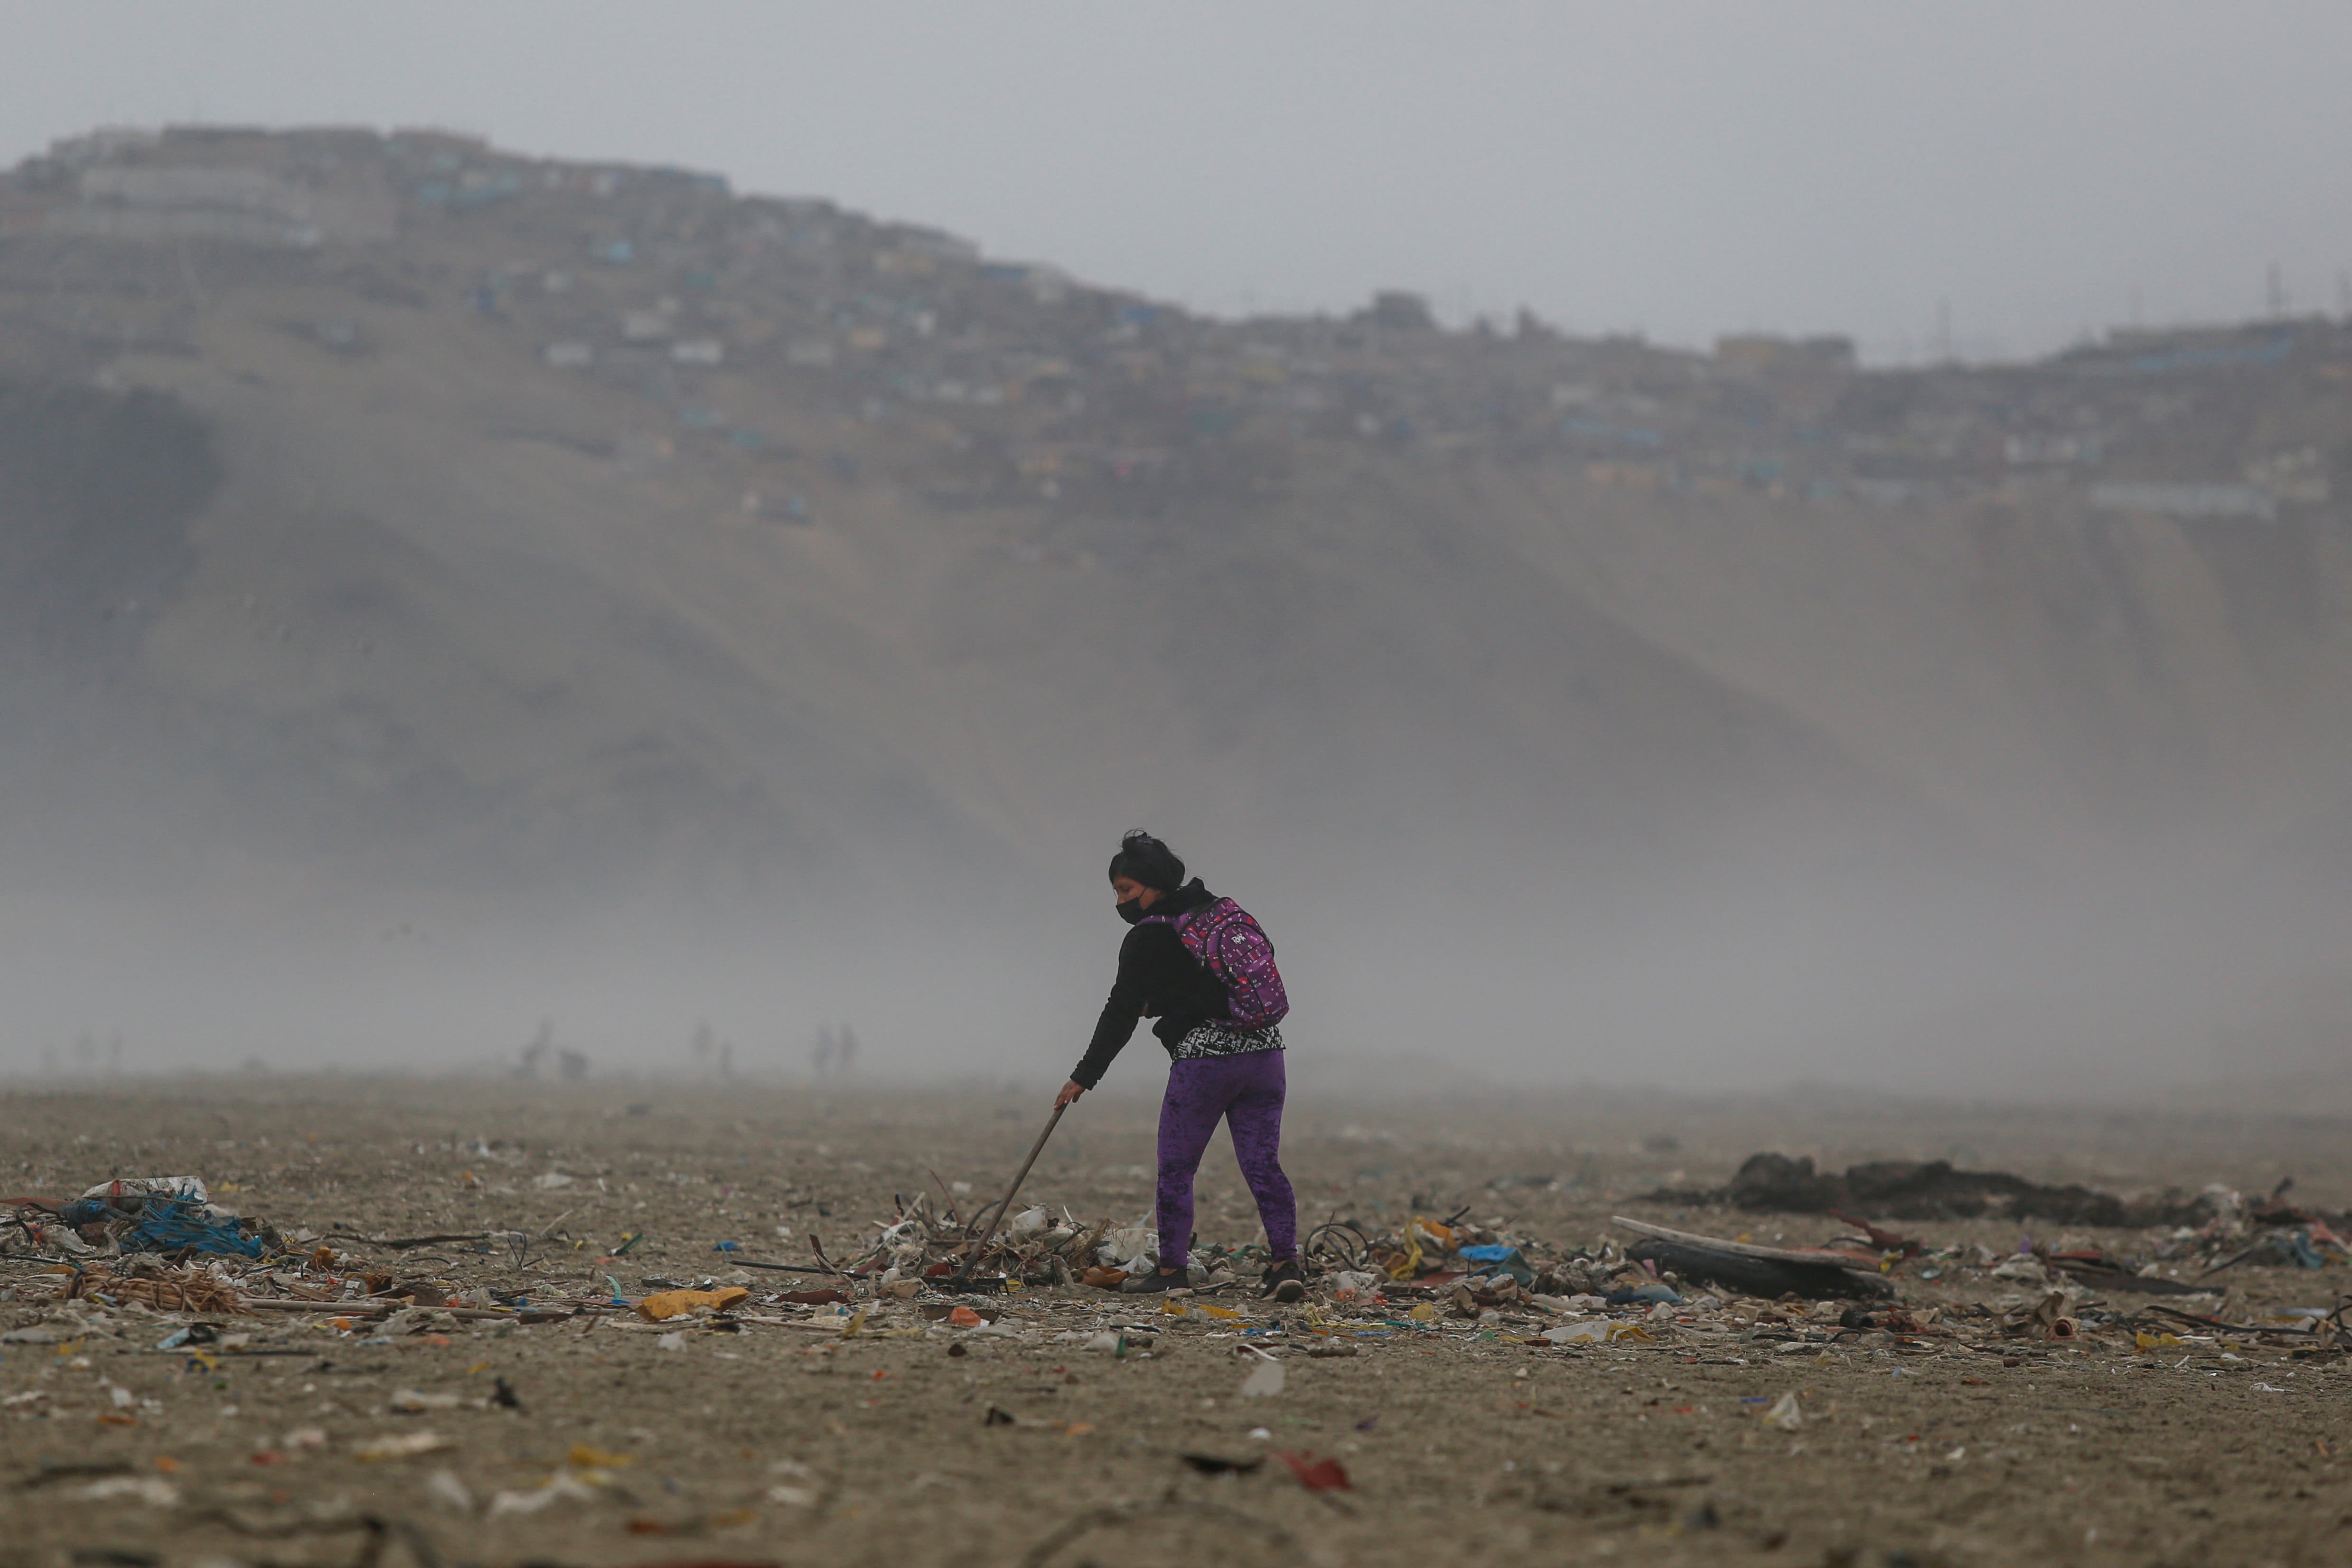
pixel 997 1218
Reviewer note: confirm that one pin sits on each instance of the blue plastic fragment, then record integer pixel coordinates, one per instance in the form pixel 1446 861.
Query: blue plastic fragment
pixel 170 1224
pixel 1651 1292
pixel 1499 1258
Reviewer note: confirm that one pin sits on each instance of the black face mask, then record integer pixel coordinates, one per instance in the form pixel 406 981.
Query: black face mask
pixel 1131 911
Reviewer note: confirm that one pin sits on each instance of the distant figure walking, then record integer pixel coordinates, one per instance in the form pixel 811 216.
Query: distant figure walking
pixel 836 1053
pixel 1202 967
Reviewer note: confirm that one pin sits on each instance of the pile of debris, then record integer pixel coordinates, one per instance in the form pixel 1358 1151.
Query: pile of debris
pixel 169 1214
pixel 1914 1189
pixel 157 1286
pixel 929 1245
pixel 2212 1229
pixel 161 1245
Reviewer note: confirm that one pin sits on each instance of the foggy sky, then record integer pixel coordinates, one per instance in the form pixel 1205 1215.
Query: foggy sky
pixel 2013 174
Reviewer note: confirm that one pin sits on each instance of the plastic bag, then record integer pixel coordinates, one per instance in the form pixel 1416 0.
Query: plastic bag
pixel 670 1304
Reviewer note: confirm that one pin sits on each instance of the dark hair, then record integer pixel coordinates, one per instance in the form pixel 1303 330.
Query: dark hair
pixel 1143 858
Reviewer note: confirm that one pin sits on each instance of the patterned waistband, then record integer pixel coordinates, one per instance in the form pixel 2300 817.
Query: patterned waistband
pixel 1219 1040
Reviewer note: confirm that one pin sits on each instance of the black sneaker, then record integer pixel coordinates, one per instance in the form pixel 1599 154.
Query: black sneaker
pixel 1285 1283
pixel 1156 1283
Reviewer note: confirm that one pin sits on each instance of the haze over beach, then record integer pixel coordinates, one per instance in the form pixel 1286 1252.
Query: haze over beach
pixel 1702 550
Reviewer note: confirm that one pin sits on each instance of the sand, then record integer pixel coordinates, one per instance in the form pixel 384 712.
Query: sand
pixel 790 1443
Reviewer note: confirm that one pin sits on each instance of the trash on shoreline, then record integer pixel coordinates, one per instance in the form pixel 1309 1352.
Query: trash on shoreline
pixel 1410 1277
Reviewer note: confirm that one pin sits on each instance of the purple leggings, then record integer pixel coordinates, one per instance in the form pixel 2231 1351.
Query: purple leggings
pixel 1246 1091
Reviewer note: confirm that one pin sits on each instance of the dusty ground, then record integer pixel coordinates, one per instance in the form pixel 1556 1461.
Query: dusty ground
pixel 777 1444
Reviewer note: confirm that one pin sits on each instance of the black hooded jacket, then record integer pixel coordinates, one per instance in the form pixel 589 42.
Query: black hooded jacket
pixel 1157 977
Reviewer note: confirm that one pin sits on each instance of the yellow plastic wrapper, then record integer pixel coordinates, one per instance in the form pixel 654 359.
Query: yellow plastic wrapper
pixel 1174 1308
pixel 587 1457
pixel 678 1303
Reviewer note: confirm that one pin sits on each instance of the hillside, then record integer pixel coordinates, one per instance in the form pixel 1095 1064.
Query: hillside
pixel 394 512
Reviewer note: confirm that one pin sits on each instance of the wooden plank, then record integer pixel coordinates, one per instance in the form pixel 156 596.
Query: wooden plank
pixel 1812 1255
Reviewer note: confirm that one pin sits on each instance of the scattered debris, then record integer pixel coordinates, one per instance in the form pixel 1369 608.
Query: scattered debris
pixel 1845 1291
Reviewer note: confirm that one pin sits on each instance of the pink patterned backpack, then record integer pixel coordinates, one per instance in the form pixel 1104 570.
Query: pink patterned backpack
pixel 1233 947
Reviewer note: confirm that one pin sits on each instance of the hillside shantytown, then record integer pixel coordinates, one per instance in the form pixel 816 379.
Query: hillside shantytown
pixel 1032 387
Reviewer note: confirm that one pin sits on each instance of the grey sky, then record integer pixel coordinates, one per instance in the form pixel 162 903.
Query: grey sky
pixel 1679 169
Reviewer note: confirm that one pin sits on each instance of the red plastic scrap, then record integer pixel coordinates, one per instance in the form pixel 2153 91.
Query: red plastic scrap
pixel 1884 1240
pixel 2272 1210
pixel 1315 1475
